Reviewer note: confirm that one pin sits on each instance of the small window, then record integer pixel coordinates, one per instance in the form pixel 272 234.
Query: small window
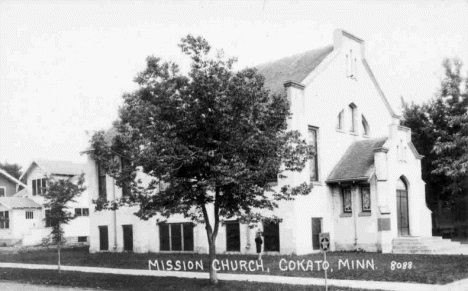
pixel 2 191
pixel 366 199
pixel 29 214
pixel 347 201
pixel 81 211
pixel 82 239
pixel 365 126
pixel 352 111
pixel 78 212
pixel 4 220
pixel 312 139
pixel 85 211
pixel 339 122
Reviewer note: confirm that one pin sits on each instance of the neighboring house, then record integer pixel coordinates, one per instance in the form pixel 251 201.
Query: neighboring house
pixel 368 190
pixel 9 185
pixel 27 223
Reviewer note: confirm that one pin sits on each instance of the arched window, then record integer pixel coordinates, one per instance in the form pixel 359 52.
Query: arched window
pixel 365 126
pixel 339 123
pixel 401 185
pixel 402 208
pixel 352 110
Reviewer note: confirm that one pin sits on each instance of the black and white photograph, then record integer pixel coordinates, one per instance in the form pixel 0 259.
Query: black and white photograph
pixel 234 145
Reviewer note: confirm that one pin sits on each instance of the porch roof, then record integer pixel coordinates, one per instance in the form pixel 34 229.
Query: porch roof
pixel 357 164
pixel 19 203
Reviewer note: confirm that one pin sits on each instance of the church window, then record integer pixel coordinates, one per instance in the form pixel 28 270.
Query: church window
pixel 312 139
pixel 366 199
pixel 347 202
pixel 365 126
pixel 352 110
pixel 339 123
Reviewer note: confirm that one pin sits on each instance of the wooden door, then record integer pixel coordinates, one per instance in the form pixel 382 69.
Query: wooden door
pixel 128 237
pixel 103 238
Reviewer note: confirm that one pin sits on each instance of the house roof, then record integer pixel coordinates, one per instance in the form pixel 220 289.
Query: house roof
pixel 18 203
pixel 23 193
pixel 294 68
pixel 358 161
pixel 56 167
pixel 11 178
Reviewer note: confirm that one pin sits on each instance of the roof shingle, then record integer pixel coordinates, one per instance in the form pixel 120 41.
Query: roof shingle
pixel 358 161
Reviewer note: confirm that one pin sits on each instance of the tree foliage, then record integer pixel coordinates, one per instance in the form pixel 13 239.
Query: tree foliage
pixel 440 132
pixel 12 169
pixel 211 138
pixel 58 194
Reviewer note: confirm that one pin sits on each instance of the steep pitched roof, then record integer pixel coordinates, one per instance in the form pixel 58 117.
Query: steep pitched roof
pixel 294 68
pixel 56 167
pixel 358 161
pixel 18 203
pixel 11 178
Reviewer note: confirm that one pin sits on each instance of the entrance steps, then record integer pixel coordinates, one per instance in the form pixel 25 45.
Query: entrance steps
pixel 423 245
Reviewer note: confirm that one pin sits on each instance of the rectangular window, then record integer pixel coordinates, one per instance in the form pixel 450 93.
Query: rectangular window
pixel 102 183
pixel 81 211
pixel 48 221
pixel 347 202
pixel 366 199
pixel 352 110
pixel 4 220
pixel 312 139
pixel 271 237
pixel 38 186
pixel 77 211
pixel 82 239
pixel 2 191
pixel 339 123
pixel 103 238
pixel 85 211
pixel 128 237
pixel 29 214
pixel 126 189
pixel 232 236
pixel 176 237
pixel 316 230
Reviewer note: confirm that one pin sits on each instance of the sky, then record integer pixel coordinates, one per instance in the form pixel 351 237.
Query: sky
pixel 64 65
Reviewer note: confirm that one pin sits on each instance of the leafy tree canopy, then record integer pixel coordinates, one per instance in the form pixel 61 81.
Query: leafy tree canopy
pixel 12 169
pixel 212 137
pixel 440 132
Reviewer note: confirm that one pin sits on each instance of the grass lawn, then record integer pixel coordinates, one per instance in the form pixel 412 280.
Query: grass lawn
pixel 429 269
pixel 119 282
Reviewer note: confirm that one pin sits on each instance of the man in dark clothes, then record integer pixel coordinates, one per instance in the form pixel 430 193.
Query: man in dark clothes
pixel 259 242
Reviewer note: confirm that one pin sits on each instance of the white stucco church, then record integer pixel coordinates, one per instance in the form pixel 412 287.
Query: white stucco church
pixel 368 190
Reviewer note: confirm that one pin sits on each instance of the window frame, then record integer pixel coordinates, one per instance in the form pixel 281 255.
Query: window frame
pixel 39 189
pixel 340 123
pixel 183 235
pixel 102 182
pixel 5 219
pixel 362 199
pixel 316 177
pixel 343 194
pixel 353 114
pixel 4 191
pixel 29 214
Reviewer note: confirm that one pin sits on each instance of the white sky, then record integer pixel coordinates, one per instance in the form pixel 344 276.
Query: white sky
pixel 64 65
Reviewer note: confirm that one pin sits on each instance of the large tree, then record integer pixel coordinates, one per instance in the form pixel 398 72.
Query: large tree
pixel 439 133
pixel 214 138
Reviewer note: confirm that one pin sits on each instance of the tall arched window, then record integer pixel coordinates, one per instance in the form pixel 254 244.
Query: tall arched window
pixel 352 110
pixel 365 126
pixel 340 121
pixel 402 208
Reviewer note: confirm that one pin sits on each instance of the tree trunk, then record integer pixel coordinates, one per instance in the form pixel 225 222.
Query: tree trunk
pixel 58 251
pixel 213 273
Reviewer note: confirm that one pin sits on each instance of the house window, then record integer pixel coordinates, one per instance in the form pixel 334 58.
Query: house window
pixel 4 220
pixel 312 136
pixel 271 237
pixel 82 239
pixel 48 220
pixel 2 191
pixel 339 123
pixel 38 186
pixel 81 211
pixel 352 110
pixel 366 199
pixel 29 214
pixel 126 190
pixel 102 183
pixel 365 126
pixel 176 237
pixel 232 236
pixel 347 202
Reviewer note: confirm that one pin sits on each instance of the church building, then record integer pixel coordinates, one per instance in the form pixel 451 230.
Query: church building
pixel 368 192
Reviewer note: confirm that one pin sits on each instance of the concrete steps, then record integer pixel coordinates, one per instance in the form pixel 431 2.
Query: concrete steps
pixel 423 245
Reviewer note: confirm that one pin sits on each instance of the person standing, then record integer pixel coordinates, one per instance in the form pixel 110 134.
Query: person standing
pixel 258 243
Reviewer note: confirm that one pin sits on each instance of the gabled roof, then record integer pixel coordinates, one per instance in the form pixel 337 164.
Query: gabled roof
pixel 11 178
pixel 358 161
pixel 294 68
pixel 56 167
pixel 23 193
pixel 18 203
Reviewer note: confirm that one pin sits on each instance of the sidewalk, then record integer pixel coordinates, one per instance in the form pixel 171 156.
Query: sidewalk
pixel 371 285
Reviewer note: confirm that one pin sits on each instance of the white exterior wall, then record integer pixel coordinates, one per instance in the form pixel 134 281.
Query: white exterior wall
pixel 327 91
